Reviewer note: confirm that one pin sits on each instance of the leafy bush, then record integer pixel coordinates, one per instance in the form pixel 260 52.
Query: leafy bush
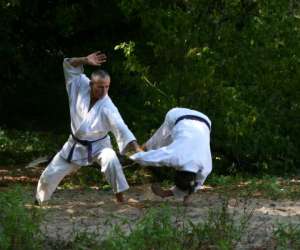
pixel 236 61
pixel 22 146
pixel 233 60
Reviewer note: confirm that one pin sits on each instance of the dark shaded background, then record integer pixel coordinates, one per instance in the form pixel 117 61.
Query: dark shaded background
pixel 236 61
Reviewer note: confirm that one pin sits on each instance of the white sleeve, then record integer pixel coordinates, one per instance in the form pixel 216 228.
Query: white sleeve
pixel 71 73
pixel 119 129
pixel 161 138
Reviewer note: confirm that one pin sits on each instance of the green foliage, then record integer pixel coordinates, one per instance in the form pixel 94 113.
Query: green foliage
pixel 267 186
pixel 220 230
pixel 154 231
pixel 22 146
pixel 166 228
pixel 236 61
pixel 233 60
pixel 287 237
pixel 19 227
pixel 162 229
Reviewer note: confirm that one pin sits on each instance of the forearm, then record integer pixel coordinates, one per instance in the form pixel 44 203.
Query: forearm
pixel 94 59
pixel 77 61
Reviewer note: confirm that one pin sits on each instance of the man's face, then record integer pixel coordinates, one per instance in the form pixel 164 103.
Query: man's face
pixel 99 87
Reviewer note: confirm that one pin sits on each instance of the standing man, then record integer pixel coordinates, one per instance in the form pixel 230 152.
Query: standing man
pixel 182 142
pixel 93 115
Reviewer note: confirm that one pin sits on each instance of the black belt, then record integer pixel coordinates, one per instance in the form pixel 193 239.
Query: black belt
pixel 193 117
pixel 88 144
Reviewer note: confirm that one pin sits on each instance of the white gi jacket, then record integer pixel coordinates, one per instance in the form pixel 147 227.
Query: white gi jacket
pixel 184 146
pixel 91 124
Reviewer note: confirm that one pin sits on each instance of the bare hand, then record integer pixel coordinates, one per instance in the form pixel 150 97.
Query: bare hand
pixel 143 147
pixel 96 58
pixel 132 146
pixel 139 149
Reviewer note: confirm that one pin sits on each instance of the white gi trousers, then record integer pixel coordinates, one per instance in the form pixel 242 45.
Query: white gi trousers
pixel 59 168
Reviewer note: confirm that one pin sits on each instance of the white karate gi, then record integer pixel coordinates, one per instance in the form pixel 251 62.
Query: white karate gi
pixel 184 146
pixel 89 125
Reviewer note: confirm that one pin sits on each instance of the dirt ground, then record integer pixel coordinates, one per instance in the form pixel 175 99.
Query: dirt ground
pixel 94 210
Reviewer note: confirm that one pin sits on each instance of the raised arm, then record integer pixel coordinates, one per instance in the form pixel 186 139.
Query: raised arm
pixel 94 59
pixel 73 67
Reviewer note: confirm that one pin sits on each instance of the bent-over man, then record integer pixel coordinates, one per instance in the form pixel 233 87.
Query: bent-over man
pixel 181 142
pixel 93 115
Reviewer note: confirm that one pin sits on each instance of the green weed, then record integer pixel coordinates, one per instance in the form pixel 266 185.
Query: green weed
pixel 259 186
pixel 287 237
pixel 163 229
pixel 19 227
